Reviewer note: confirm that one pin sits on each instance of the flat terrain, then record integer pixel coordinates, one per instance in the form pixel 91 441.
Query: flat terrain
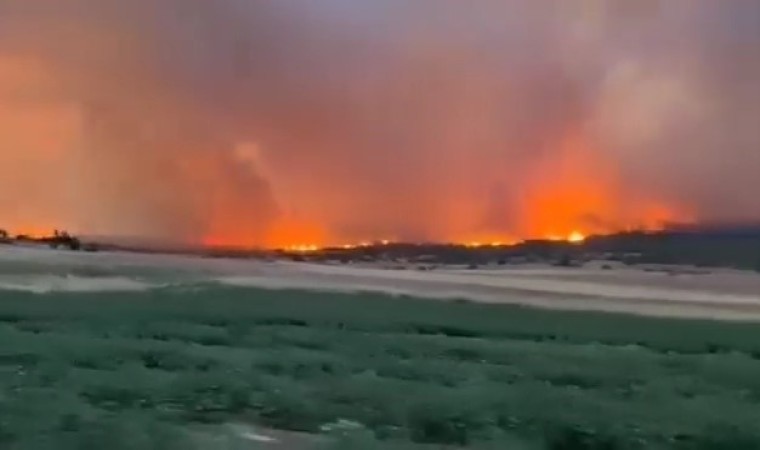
pixel 231 368
pixel 137 352
pixel 678 292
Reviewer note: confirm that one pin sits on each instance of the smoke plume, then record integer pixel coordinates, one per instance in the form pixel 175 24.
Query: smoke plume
pixel 258 122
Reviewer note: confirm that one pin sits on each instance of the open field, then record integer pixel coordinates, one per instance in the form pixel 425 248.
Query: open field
pixel 714 293
pixel 175 367
pixel 157 352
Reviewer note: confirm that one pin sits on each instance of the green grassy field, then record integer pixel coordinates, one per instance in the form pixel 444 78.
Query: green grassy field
pixel 142 371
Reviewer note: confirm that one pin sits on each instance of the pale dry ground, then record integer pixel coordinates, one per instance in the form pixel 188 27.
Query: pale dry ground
pixel 723 294
pixel 245 436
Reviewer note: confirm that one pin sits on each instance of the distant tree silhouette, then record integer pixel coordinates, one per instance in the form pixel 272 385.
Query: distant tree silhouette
pixel 3 234
pixel 74 243
pixel 62 238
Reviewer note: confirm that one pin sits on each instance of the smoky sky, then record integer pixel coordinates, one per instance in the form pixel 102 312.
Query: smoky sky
pixel 359 119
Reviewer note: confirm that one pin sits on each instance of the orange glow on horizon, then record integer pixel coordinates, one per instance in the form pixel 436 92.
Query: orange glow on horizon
pixel 576 237
pixel 579 193
pixel 31 231
pixel 575 194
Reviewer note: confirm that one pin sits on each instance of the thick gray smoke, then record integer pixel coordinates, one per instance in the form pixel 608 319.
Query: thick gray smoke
pixel 273 122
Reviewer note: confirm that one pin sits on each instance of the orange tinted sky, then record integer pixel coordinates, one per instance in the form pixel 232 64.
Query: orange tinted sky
pixel 317 123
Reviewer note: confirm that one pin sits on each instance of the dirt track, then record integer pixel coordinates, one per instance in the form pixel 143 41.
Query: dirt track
pixel 720 294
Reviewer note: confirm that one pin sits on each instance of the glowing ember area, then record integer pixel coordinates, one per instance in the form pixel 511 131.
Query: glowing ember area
pixel 286 233
pixel 488 243
pixel 576 237
pixel 302 248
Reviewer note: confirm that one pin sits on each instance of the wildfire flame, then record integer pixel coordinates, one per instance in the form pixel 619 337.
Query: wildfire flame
pixel 575 194
pixel 576 237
